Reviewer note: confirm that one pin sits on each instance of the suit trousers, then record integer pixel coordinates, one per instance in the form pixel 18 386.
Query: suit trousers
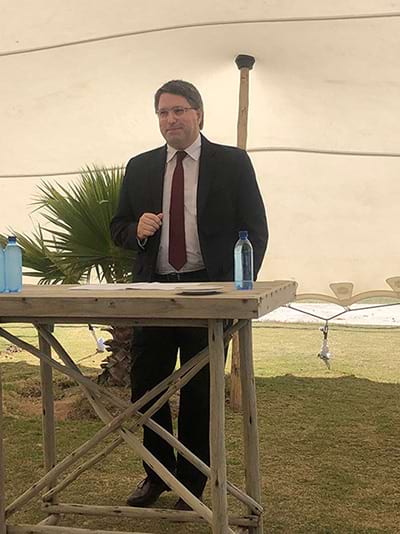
pixel 154 357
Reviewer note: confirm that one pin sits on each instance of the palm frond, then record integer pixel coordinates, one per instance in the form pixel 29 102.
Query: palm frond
pixel 75 240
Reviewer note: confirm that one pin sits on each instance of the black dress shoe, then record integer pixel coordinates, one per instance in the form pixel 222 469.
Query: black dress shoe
pixel 182 505
pixel 147 492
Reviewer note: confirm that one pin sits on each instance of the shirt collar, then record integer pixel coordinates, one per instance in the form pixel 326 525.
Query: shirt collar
pixel 193 150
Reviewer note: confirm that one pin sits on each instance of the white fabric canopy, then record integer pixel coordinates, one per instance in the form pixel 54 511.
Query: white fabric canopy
pixel 331 85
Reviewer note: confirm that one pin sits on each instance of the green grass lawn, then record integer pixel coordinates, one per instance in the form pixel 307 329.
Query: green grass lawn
pixel 329 440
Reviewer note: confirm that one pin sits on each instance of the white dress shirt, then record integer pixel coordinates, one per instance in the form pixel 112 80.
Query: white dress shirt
pixel 191 177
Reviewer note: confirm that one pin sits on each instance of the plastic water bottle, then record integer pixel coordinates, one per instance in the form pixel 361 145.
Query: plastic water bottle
pixel 13 265
pixel 243 258
pixel 2 271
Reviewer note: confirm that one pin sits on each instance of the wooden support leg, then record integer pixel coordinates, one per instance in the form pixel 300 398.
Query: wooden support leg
pixel 250 430
pixel 2 470
pixel 217 428
pixel 48 423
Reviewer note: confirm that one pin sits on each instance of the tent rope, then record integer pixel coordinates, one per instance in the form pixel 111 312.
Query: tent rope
pixel 257 149
pixel 321 18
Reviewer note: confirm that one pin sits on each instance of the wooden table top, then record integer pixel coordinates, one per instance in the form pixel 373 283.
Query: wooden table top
pixel 59 302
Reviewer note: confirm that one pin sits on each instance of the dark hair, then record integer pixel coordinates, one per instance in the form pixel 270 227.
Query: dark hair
pixel 185 89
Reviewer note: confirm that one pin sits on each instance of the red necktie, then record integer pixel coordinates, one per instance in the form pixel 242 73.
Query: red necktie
pixel 177 243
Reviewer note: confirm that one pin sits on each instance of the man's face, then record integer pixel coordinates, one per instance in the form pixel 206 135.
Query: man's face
pixel 179 131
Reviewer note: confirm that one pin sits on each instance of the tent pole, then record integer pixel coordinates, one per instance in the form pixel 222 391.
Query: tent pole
pixel 245 64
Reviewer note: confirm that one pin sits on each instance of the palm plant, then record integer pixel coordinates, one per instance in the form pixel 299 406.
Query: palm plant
pixel 74 245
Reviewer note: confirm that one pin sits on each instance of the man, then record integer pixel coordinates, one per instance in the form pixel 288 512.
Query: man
pixel 181 208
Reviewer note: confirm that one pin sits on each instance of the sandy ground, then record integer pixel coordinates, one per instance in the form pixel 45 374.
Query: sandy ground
pixel 358 315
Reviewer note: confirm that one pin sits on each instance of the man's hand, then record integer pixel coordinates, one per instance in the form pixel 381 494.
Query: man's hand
pixel 148 225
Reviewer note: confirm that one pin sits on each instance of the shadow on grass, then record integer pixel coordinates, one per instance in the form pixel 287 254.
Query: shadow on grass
pixel 330 454
pixel 329 448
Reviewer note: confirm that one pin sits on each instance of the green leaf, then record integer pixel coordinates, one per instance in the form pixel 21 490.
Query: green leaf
pixel 75 241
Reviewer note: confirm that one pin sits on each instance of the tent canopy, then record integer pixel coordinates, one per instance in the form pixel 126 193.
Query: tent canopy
pixel 325 78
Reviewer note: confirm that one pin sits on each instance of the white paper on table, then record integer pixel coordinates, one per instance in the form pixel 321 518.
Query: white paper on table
pixel 139 285
pixel 164 286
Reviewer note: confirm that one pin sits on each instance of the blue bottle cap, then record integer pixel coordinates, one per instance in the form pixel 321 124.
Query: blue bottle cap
pixel 12 239
pixel 243 234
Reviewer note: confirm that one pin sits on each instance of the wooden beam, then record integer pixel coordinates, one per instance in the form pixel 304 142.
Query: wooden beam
pixel 250 428
pixel 48 422
pixel 217 429
pixel 48 529
pixel 187 371
pixel 245 64
pixel 143 513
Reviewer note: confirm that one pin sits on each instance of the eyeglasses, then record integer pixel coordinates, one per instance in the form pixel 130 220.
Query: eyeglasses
pixel 177 111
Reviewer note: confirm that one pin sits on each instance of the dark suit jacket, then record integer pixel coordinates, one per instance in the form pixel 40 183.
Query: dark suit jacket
pixel 228 200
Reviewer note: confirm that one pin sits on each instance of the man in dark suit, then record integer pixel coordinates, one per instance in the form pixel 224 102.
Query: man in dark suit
pixel 181 208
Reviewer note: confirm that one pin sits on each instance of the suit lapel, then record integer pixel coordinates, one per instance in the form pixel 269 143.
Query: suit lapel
pixel 156 178
pixel 206 173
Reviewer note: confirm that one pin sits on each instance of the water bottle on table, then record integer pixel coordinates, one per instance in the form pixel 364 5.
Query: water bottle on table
pixel 13 265
pixel 243 260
